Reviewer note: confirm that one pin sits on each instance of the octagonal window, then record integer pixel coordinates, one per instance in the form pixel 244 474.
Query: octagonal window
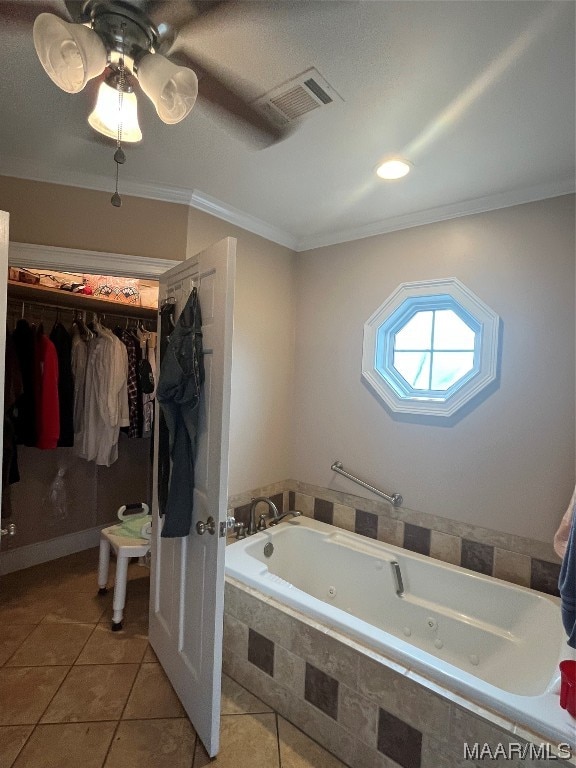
pixel 430 347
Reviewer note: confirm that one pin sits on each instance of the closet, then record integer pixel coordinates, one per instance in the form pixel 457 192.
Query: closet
pixel 62 499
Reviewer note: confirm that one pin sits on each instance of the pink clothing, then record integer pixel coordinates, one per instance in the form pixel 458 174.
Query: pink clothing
pixel 46 382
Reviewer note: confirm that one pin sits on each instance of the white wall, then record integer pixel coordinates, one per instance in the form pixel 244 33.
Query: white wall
pixel 509 463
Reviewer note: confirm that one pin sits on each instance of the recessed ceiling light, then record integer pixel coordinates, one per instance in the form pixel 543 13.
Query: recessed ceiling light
pixel 393 169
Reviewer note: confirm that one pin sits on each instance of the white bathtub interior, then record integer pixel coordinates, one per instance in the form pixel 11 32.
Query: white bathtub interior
pixel 495 642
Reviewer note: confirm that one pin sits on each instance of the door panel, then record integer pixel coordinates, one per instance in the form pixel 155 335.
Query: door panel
pixel 187 595
pixel 4 220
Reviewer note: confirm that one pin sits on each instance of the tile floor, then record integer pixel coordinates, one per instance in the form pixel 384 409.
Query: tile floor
pixel 72 693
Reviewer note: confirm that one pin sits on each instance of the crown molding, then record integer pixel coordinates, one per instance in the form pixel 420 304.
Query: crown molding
pixel 244 220
pixel 74 260
pixel 442 213
pixel 24 169
pixel 34 171
pixel 211 205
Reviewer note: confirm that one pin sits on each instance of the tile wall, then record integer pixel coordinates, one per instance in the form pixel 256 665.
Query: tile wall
pixel 364 708
pixel 519 560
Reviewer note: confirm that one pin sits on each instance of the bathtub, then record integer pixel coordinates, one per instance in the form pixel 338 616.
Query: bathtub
pixel 496 644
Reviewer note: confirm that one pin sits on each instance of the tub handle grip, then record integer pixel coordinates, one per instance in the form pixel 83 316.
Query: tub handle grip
pixel 397 575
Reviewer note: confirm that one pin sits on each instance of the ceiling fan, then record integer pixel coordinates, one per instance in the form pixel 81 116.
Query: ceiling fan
pixel 129 43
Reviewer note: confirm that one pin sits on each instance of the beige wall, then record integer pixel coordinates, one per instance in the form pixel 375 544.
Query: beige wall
pixel 262 351
pixel 509 463
pixel 70 217
pixel 296 406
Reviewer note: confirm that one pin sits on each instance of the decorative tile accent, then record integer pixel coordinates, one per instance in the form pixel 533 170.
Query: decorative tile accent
pixel 544 576
pixel 390 530
pixel 321 690
pixel 417 539
pixel 533 548
pixel 358 714
pixel 494 553
pixel 477 557
pixel 445 547
pixel 323 511
pixel 366 524
pixel 289 670
pixel 399 741
pixel 512 567
pixel 261 652
pixel 278 499
pixel 242 514
pixel 344 517
pixel 305 504
pixel 383 718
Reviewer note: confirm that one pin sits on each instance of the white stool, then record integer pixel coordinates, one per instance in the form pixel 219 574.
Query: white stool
pixel 124 548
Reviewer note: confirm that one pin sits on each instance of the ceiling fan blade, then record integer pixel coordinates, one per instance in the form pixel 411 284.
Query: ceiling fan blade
pixel 230 100
pixel 25 11
pixel 176 15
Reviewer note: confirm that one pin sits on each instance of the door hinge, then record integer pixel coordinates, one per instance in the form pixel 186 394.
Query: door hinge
pixel 10 530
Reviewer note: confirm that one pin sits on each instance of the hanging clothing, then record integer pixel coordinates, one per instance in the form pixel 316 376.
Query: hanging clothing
pixel 46 384
pixel 147 379
pixel 62 341
pixel 134 398
pixel 12 391
pixel 24 341
pixel 567 580
pixel 105 398
pixel 79 360
pixel 178 392
pixel 167 324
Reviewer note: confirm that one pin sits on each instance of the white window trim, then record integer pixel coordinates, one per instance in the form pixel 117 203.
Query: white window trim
pixel 488 349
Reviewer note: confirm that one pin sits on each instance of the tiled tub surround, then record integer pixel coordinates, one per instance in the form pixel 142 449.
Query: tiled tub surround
pixel 361 705
pixel 516 559
pixel 497 644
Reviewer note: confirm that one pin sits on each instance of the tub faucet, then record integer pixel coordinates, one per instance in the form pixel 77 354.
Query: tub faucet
pixel 294 513
pixel 252 527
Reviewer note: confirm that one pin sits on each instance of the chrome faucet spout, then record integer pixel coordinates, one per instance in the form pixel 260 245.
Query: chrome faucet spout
pixel 252 527
pixel 294 513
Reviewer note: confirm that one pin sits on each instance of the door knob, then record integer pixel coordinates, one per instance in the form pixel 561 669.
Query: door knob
pixel 209 525
pixel 10 530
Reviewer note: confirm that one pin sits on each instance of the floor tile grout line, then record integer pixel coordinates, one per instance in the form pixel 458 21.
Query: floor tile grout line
pixel 120 719
pixel 22 747
pixel 22 643
pixel 278 740
pixel 63 664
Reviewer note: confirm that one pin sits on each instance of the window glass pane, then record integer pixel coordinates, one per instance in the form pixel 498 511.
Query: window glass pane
pixel 414 367
pixel 451 332
pixel 416 334
pixel 449 367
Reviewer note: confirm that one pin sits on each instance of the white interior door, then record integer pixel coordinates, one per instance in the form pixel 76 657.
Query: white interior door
pixel 187 576
pixel 4 220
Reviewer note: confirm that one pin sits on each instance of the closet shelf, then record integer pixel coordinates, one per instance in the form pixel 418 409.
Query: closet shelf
pixel 42 294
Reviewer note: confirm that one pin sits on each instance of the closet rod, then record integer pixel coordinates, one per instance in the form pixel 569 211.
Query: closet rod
pixel 101 312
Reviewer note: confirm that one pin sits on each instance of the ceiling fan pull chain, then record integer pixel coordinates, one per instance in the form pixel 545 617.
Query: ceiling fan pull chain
pixel 119 156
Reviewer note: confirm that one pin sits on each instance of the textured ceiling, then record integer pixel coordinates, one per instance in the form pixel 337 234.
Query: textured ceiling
pixel 478 95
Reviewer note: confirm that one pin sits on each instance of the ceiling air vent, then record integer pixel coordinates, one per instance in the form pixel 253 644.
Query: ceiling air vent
pixel 298 96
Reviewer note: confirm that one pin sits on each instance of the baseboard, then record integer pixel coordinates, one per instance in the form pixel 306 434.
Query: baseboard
pixel 43 551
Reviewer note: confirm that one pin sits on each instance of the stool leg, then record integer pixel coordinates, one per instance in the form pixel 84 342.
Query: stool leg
pixel 103 566
pixel 119 592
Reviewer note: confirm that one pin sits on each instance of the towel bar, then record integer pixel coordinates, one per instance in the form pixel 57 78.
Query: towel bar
pixel 395 499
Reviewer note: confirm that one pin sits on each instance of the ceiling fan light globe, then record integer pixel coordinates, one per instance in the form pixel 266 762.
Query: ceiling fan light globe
pixel 107 114
pixel 71 54
pixel 172 89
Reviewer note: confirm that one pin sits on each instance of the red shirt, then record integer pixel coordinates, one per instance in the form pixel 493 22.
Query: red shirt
pixel 46 381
